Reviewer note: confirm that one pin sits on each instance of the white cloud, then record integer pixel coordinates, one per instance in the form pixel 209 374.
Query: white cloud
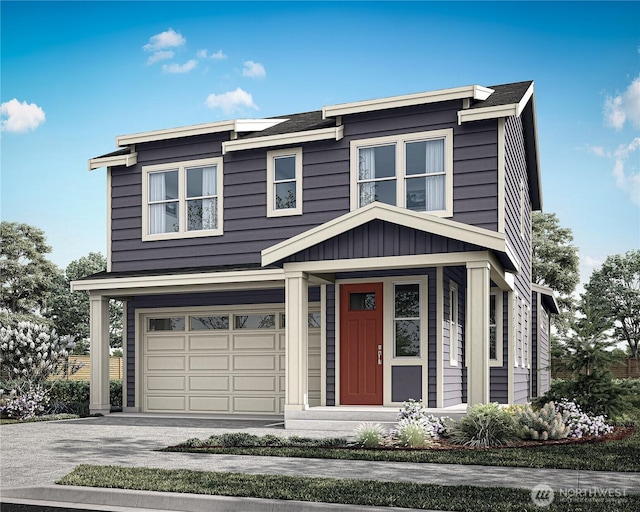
pixel 21 116
pixel 628 179
pixel 180 68
pixel 231 101
pixel 624 107
pixel 167 39
pixel 161 55
pixel 253 69
pixel 596 150
pixel 204 54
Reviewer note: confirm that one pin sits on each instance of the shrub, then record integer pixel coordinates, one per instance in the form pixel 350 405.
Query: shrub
pixel 596 394
pixel 543 424
pixel 580 423
pixel 413 433
pixel 414 410
pixel 26 405
pixel 369 435
pixel 485 425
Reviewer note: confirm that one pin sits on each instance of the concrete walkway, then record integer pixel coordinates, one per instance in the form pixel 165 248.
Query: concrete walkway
pixel 35 455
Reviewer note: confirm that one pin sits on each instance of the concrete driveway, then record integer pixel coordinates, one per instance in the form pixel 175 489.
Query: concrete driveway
pixel 36 455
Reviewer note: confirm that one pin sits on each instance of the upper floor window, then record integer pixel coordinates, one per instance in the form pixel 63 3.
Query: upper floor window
pixel 182 199
pixel 284 182
pixel 413 171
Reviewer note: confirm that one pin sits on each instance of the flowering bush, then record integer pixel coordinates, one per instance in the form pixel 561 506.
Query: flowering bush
pixel 27 405
pixel 31 353
pixel 580 423
pixel 414 411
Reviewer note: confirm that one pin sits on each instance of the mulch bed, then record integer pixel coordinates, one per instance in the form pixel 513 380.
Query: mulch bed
pixel 444 444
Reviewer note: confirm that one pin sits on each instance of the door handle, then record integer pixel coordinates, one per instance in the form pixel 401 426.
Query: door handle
pixel 379 354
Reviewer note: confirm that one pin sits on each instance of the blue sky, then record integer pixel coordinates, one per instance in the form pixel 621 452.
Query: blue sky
pixel 76 74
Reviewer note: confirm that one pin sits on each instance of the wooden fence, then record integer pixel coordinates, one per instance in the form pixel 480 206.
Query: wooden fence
pixel 627 369
pixel 115 369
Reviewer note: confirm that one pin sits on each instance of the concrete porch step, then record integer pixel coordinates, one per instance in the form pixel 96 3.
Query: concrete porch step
pixel 345 419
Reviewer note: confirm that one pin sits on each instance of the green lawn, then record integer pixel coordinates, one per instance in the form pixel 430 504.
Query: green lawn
pixel 621 455
pixel 49 417
pixel 330 490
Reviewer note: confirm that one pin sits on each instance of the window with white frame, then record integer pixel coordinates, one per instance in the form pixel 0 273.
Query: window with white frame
pixel 413 171
pixel 527 343
pixel 407 319
pixel 284 182
pixel 514 326
pixel 182 199
pixel 453 324
pixel 495 328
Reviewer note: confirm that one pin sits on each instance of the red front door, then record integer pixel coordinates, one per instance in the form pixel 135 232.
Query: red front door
pixel 361 344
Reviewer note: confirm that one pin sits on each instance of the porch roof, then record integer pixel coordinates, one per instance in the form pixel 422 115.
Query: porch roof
pixel 479 238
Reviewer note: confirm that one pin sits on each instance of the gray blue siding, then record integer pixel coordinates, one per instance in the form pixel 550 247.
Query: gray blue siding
pixel 331 344
pixel 452 375
pixel 499 376
pixel 247 230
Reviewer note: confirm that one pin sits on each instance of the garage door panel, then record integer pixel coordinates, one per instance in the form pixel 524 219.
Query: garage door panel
pixel 254 362
pixel 209 403
pixel 282 341
pixel 159 343
pixel 167 403
pixel 166 363
pixel 254 342
pixel 254 383
pixel 314 341
pixel 209 342
pixel 266 404
pixel 208 362
pixel 209 383
pixel 165 383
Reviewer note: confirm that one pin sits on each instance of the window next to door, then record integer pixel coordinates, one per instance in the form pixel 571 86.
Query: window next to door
pixel 407 319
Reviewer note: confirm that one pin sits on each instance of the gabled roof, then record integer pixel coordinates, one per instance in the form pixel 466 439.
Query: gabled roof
pixel 548 298
pixel 380 211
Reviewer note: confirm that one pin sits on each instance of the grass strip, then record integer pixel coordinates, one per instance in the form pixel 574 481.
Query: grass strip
pixel 620 455
pixel 47 417
pixel 331 490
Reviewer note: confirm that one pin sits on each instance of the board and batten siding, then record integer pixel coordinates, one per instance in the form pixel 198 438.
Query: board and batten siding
pixel 326 183
pixel 515 174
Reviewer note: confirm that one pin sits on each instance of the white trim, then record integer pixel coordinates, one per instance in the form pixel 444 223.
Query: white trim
pixel 498 361
pixel 237 125
pixel 522 311
pixel 336 347
pixel 454 322
pixel 545 290
pixel 421 319
pixel 323 345
pixel 439 337
pixel 113 161
pixel 477 92
pixel 333 133
pixel 511 109
pixel 513 331
pixel 181 168
pixel 124 354
pixel 249 277
pixel 501 174
pixel 271 169
pixel 379 211
pixel 109 222
pixel 399 141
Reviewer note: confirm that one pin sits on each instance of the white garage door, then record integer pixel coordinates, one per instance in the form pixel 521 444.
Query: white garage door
pixel 227 360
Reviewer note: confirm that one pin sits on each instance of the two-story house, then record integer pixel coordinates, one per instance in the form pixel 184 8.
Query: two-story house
pixel 360 255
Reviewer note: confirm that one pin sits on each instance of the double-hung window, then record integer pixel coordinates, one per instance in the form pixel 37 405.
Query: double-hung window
pixel 182 200
pixel 284 182
pixel 413 171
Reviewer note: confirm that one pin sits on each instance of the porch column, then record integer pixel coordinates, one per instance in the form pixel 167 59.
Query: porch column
pixel 477 336
pixel 297 341
pixel 99 355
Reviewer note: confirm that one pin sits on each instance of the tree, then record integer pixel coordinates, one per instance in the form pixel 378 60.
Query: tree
pixel 614 291
pixel 554 261
pixel 69 310
pixel 27 277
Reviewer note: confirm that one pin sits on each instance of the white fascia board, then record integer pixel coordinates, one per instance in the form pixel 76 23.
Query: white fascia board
pixel 380 211
pixel 113 161
pixel 333 133
pixel 510 109
pixel 548 292
pixel 174 133
pixel 256 125
pixel 471 91
pixel 209 278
